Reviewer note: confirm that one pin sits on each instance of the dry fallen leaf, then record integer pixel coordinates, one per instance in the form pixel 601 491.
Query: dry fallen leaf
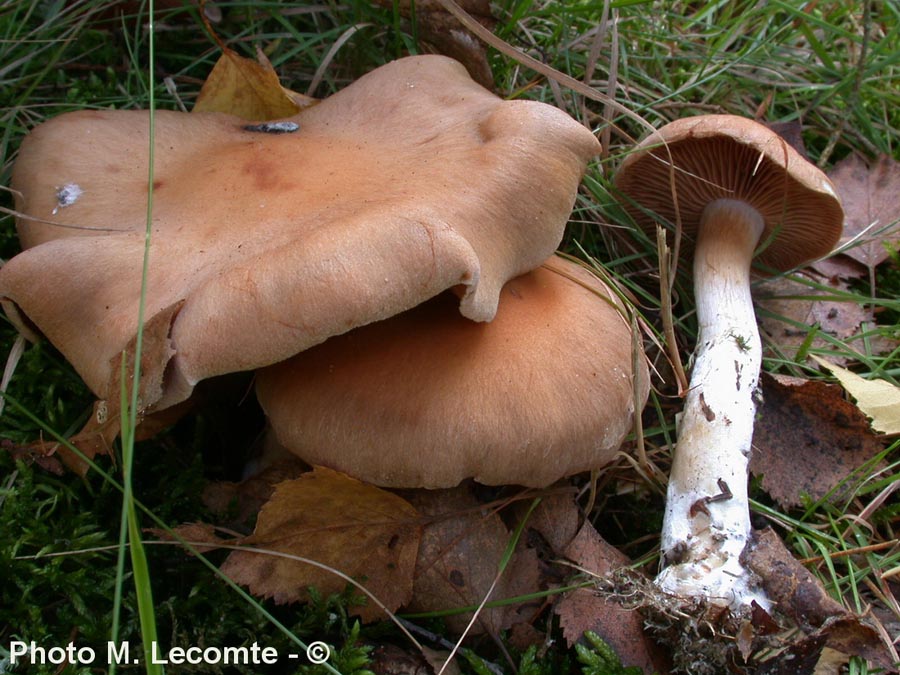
pixel 791 309
pixel 557 527
pixel 841 267
pixel 248 89
pixel 100 431
pixel 437 659
pixel 202 537
pixel 792 588
pixel 462 548
pixel 389 659
pixel 879 400
pixel 797 593
pixel 798 658
pixel 94 440
pixel 792 132
pixel 622 628
pixel 871 199
pixel 363 531
pixel 239 503
pixel 807 439
pixel 557 519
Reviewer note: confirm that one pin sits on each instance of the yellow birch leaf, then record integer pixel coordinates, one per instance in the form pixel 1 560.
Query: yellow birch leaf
pixel 248 89
pixel 879 400
pixel 343 524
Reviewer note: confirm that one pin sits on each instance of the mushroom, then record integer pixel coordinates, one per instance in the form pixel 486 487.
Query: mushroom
pixel 738 186
pixel 428 398
pixel 269 238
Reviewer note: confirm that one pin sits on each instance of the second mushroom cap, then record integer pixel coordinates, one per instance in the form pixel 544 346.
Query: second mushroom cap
pixel 429 398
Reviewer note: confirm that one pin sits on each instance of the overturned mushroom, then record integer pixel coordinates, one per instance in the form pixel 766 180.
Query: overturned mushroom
pixel 267 239
pixel 738 186
pixel 429 398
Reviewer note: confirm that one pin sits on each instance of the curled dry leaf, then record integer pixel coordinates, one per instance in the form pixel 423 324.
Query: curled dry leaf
pixel 463 546
pixel 95 439
pixel 807 439
pixel 797 593
pixel 248 89
pixel 44 456
pixel 97 436
pixel 793 589
pixel 364 532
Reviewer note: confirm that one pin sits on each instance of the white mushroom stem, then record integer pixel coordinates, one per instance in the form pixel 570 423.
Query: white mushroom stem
pixel 707 520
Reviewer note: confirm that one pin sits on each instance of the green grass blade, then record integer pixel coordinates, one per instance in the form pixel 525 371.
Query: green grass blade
pixel 131 530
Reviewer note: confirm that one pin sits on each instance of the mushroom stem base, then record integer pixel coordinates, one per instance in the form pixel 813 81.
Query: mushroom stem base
pixel 707 519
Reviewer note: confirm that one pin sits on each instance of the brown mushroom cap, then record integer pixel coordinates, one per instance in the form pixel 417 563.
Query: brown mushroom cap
pixel 412 180
pixel 428 398
pixel 726 156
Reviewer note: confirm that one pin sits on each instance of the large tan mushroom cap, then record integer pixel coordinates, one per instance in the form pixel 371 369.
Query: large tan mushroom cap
pixel 412 180
pixel 428 398
pixel 726 156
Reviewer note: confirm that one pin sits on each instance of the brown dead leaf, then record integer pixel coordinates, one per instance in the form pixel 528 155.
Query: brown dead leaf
pixel 44 457
pixel 792 588
pixel 792 132
pixel 95 439
pixel 363 531
pixel 238 503
pixel 443 34
pixel 437 659
pixel 807 439
pixel 840 266
pixel 389 659
pixel 871 199
pixel 622 628
pixel 799 658
pixel 557 524
pixel 97 436
pixel 557 520
pixel 202 537
pixel 248 89
pixel 462 548
pixel 878 399
pixel 853 636
pixel 797 593
pixel 792 309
